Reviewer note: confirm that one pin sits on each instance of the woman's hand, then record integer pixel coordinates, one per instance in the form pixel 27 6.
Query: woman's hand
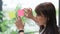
pixel 28 13
pixel 19 23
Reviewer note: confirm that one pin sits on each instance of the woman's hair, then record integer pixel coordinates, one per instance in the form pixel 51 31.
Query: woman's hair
pixel 48 10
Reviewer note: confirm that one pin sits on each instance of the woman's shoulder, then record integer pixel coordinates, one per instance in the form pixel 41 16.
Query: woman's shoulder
pixel 59 29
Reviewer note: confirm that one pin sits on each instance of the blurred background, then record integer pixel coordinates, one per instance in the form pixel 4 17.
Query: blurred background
pixel 8 13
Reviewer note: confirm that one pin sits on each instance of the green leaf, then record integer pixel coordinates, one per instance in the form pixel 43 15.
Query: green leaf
pixel 13 32
pixel 3 27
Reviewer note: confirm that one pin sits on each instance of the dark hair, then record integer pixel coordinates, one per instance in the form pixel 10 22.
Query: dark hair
pixel 48 10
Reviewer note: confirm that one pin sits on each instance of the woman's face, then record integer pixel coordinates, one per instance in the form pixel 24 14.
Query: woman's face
pixel 41 20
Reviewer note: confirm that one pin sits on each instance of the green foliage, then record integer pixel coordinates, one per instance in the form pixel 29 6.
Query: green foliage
pixel 1 16
pixel 1 20
pixel 57 12
pixel 13 32
pixel 6 26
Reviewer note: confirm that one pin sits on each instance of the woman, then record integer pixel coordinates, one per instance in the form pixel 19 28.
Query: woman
pixel 46 18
